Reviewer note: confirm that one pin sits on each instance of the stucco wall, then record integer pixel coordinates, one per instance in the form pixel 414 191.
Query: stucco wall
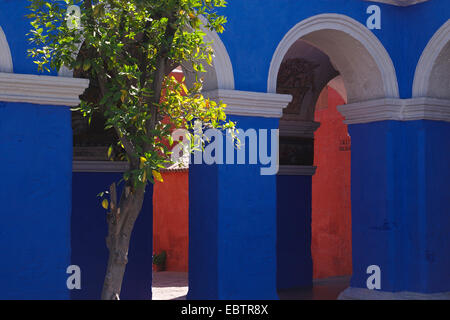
pixel 171 219
pixel 331 243
pixel 35 166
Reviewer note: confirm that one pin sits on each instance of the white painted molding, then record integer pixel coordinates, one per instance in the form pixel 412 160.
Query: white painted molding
pixel 428 59
pixel 47 90
pixel 304 129
pixel 401 3
pixel 396 109
pixel 244 103
pixel 297 170
pixel 371 111
pixel 6 64
pixel 366 294
pixel 99 166
pixel 426 109
pixel 352 28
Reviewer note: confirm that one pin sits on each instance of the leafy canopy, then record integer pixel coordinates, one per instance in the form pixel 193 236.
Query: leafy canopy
pixel 128 48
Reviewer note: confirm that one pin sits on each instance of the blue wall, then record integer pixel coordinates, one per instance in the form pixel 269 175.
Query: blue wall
pixel 435 208
pixel 426 203
pixel 232 218
pixel 88 233
pixel 400 201
pixel 294 260
pixel 35 166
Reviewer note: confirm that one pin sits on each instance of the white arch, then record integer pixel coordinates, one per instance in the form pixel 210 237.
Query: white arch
pixel 6 64
pixel 219 77
pixel 340 37
pixel 222 63
pixel 428 59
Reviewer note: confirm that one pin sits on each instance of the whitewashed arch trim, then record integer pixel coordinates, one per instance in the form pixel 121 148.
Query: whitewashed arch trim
pixel 350 27
pixel 427 60
pixel 221 61
pixel 6 64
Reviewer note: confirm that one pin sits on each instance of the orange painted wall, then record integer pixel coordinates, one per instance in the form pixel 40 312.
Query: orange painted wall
pixel 331 206
pixel 171 219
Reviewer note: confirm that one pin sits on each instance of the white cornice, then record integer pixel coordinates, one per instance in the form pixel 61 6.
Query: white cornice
pixel 296 170
pixel 371 111
pixel 401 3
pixel 244 103
pixel 396 109
pixel 298 128
pixel 46 90
pixel 99 166
pixel 427 109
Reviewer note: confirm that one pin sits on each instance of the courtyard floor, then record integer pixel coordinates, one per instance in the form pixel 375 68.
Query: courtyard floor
pixel 174 286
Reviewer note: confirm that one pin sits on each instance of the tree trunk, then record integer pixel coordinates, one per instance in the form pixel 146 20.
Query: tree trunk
pixel 121 221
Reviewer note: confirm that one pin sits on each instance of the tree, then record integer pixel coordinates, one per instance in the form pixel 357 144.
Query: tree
pixel 128 47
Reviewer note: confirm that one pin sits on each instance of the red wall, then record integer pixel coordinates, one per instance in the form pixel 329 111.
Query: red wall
pixel 331 207
pixel 170 219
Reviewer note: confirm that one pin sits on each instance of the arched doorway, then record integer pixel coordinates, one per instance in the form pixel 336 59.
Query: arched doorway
pixel 311 54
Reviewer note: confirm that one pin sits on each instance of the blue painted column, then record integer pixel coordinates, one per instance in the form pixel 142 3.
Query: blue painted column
pixel 376 199
pixel 400 201
pixel 232 216
pixel 35 166
pixel 400 197
pixel 427 202
pixel 35 192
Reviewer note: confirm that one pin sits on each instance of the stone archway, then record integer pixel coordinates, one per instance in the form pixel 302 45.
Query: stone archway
pixel 368 74
pixel 431 76
pixel 363 62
